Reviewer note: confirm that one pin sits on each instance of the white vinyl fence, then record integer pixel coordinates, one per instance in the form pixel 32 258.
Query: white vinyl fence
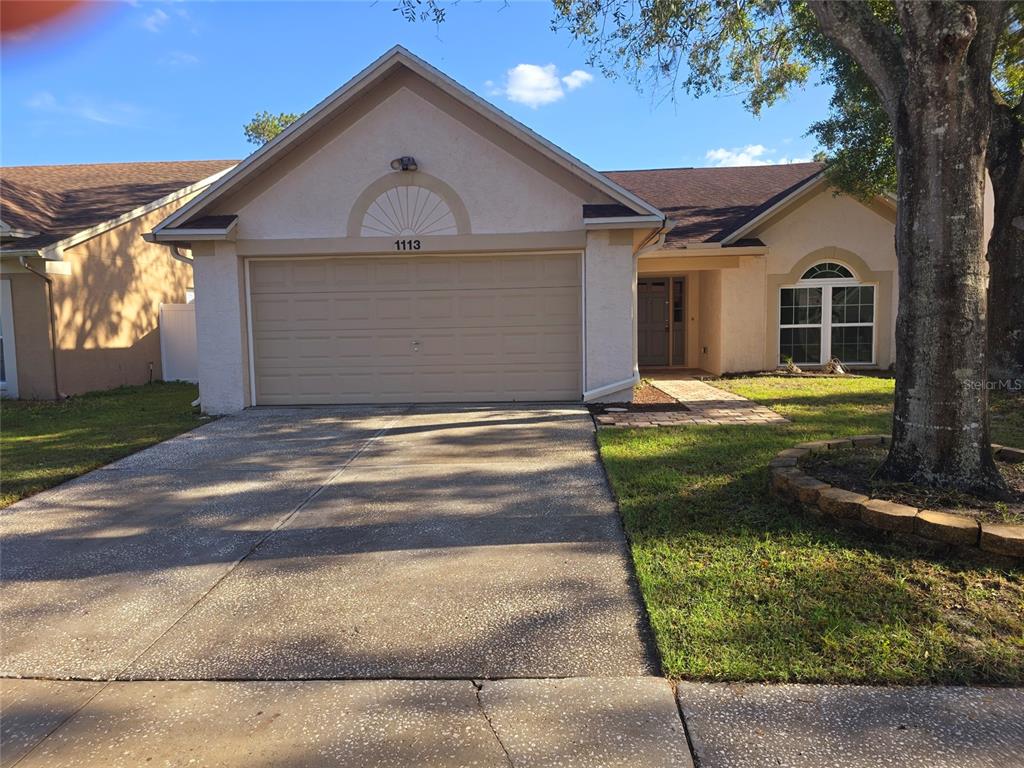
pixel 178 342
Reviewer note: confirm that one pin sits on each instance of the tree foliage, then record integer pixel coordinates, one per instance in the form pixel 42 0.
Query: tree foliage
pixel 264 126
pixel 703 46
pixel 762 49
pixel 857 134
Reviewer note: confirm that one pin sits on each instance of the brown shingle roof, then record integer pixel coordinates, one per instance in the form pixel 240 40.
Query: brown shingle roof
pixel 709 203
pixel 59 200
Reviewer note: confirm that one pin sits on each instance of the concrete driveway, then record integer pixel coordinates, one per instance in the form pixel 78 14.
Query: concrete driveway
pixel 446 546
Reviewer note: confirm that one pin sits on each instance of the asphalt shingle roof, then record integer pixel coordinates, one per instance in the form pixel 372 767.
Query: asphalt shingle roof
pixel 709 203
pixel 59 200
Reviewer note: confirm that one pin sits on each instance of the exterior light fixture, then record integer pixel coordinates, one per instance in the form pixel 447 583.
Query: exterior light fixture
pixel 404 164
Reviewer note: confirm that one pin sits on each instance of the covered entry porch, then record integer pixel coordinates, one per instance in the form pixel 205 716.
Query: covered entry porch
pixel 684 324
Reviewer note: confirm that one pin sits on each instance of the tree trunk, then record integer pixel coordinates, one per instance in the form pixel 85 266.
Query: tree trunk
pixel 942 118
pixel 1005 161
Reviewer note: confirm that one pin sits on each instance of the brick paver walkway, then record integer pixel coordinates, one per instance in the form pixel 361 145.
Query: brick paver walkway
pixel 706 404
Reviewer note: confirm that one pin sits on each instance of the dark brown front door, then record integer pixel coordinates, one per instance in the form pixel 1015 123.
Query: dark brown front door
pixel 652 321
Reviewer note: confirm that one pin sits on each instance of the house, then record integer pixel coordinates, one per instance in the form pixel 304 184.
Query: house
pixel 80 289
pixel 405 241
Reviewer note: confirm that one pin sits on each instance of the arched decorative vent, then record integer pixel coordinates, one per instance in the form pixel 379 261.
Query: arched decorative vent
pixel 407 211
pixel 827 270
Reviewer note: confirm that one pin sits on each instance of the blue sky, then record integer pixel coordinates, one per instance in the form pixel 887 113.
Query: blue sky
pixel 177 80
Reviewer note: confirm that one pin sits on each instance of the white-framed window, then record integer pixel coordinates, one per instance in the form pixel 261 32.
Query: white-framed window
pixel 8 359
pixel 827 313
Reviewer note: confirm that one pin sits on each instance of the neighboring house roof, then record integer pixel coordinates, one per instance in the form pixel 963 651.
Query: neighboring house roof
pixel 56 202
pixel 368 78
pixel 708 204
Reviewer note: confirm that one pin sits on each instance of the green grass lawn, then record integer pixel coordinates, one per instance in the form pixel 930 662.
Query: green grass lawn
pixel 44 443
pixel 739 587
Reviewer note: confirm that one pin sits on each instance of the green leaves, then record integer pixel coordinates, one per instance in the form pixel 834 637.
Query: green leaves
pixel 702 46
pixel 265 126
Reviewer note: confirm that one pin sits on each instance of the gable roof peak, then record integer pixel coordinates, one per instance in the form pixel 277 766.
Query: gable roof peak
pixel 366 79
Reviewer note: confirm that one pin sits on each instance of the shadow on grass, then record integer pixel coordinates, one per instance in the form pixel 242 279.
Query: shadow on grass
pixel 740 587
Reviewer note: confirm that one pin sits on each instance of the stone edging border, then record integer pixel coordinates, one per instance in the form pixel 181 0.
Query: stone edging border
pixel 793 485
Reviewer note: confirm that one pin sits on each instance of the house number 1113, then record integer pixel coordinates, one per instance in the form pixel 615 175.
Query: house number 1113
pixel 407 245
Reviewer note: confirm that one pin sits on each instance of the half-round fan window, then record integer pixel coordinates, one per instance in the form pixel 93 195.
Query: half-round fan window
pixel 408 211
pixel 827 270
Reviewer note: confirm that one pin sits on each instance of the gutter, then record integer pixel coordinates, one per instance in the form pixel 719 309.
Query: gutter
pixel 656 239
pixel 179 256
pixel 23 260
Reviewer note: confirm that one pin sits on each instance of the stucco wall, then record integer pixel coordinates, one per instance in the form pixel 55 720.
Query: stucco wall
pixel 828 220
pixel 510 198
pixel 710 328
pixel 309 193
pixel 743 298
pixel 107 311
pixel 221 329
pixel 823 222
pixel 610 290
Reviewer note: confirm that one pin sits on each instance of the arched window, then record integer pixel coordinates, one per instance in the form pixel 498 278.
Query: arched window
pixel 827 313
pixel 827 270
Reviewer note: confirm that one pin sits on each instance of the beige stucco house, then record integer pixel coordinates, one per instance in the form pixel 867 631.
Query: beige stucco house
pixel 405 241
pixel 80 289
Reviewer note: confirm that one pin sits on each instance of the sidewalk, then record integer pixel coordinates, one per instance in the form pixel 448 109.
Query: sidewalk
pixel 737 725
pixel 705 405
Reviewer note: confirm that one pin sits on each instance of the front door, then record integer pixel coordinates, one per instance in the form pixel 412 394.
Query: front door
pixel 652 321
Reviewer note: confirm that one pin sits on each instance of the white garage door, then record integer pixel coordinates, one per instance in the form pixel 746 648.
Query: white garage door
pixel 425 329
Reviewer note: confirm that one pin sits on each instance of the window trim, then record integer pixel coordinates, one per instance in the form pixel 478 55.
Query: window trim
pixel 819 325
pixel 826 325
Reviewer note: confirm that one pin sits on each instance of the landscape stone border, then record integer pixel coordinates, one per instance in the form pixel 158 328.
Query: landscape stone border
pixel 793 485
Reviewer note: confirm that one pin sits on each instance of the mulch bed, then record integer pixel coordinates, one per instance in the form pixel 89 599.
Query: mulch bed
pixel 647 398
pixel 853 469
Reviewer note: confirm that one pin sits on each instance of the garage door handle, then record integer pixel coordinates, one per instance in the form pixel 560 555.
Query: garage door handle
pixel 415 346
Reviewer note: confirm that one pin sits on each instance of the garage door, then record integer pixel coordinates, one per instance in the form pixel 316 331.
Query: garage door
pixel 425 329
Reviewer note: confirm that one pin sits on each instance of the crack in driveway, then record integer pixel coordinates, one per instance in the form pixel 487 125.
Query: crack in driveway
pixel 478 686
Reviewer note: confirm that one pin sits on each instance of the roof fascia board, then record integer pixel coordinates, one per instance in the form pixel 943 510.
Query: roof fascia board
pixel 197 233
pixel 816 180
pixel 10 263
pixel 55 251
pixel 698 252
pixel 375 71
pixel 622 222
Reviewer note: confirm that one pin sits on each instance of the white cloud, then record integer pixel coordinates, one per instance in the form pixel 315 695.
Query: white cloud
pixel 535 85
pixel 156 20
pixel 181 60
pixel 577 79
pixel 115 113
pixel 751 154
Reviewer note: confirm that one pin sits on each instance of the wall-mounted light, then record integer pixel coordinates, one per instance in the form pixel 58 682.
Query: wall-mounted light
pixel 404 164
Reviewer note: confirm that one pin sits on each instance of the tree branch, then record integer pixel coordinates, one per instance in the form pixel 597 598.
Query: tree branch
pixel 853 26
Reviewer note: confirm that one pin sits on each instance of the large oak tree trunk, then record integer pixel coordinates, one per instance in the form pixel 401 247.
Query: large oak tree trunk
pixel 933 78
pixel 1006 247
pixel 940 423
